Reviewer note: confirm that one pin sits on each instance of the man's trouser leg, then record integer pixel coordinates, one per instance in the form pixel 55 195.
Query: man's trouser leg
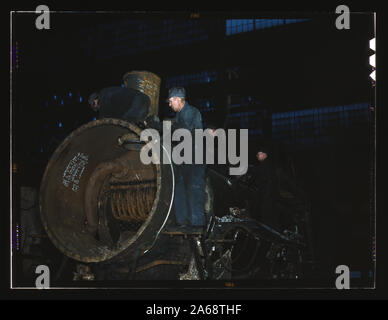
pixel 269 215
pixel 180 199
pixel 195 190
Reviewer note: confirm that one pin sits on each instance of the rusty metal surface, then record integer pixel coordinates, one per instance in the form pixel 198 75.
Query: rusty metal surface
pixel 91 179
pixel 92 190
pixel 132 202
pixel 146 82
pixel 158 263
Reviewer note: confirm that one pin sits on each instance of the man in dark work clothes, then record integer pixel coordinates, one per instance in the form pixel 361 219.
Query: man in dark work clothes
pixel 120 103
pixel 189 198
pixel 264 181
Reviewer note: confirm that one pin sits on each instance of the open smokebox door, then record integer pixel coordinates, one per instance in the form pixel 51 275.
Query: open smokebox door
pixel 98 201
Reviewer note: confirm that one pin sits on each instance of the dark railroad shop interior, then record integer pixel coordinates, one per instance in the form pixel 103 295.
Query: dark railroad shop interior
pixel 296 81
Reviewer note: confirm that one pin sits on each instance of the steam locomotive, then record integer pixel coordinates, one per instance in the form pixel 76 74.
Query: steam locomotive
pixel 107 211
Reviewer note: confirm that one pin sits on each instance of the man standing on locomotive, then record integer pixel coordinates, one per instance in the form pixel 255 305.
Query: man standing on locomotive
pixel 189 200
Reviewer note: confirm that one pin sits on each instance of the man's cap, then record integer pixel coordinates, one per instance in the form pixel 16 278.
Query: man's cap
pixel 262 146
pixel 178 92
pixel 263 149
pixel 212 126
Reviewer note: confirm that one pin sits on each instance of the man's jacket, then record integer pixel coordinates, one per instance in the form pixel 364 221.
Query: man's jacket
pixel 189 118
